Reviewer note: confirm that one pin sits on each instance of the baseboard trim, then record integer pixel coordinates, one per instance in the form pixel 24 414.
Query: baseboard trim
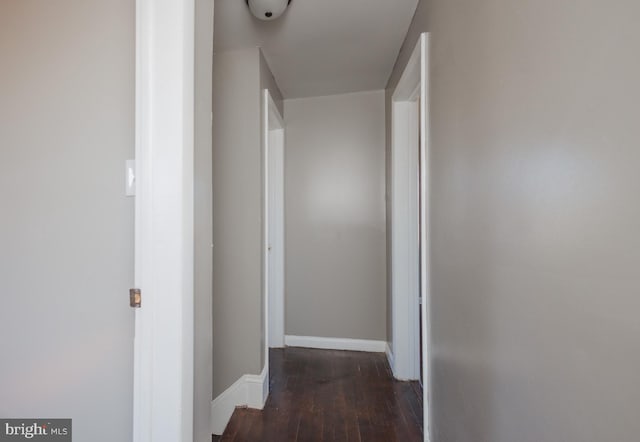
pixel 335 343
pixel 249 391
pixel 389 354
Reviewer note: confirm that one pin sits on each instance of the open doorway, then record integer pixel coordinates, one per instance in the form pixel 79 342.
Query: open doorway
pixel 273 136
pixel 409 352
pixel 336 215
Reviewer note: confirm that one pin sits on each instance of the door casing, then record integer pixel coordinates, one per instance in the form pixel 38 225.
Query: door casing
pixel 164 223
pixel 410 211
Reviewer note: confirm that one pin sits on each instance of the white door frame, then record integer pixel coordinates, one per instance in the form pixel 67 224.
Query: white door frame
pixel 410 257
pixel 425 240
pixel 273 139
pixel 164 243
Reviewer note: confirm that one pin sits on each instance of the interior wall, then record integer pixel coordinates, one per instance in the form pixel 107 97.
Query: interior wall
pixel 236 217
pixel 238 310
pixel 203 228
pixel 534 215
pixel 335 216
pixel 268 81
pixel 66 230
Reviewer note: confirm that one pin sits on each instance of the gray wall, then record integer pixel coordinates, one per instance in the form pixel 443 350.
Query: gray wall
pixel 335 217
pixel 203 228
pixel 268 81
pixel 238 325
pixel 66 230
pixel 535 216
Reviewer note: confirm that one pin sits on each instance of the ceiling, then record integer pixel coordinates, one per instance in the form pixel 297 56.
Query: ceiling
pixel 321 47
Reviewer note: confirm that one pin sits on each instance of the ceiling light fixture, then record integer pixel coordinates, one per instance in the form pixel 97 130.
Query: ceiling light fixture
pixel 267 9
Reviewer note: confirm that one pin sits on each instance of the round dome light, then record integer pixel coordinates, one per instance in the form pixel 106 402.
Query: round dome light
pixel 267 9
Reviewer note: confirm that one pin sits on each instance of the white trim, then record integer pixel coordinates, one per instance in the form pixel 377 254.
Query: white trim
pixel 273 139
pixel 405 356
pixel 249 391
pixel 164 245
pixel 389 354
pixel 405 250
pixel 425 243
pixel 266 296
pixel 335 343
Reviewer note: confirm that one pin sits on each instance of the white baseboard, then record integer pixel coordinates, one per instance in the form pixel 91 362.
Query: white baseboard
pixel 335 343
pixel 389 357
pixel 250 390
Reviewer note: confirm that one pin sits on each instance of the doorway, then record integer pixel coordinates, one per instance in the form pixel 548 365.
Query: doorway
pixel 409 351
pixel 274 223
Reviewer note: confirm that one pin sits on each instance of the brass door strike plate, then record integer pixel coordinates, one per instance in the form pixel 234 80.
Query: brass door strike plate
pixel 135 298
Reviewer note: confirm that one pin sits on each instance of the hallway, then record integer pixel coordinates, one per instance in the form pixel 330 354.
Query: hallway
pixel 327 395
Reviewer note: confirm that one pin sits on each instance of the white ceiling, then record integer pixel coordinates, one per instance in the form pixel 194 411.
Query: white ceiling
pixel 321 47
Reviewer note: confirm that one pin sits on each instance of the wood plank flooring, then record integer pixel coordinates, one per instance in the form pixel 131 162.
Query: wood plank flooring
pixel 327 395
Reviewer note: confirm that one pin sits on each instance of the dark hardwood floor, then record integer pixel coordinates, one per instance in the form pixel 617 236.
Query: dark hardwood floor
pixel 327 395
